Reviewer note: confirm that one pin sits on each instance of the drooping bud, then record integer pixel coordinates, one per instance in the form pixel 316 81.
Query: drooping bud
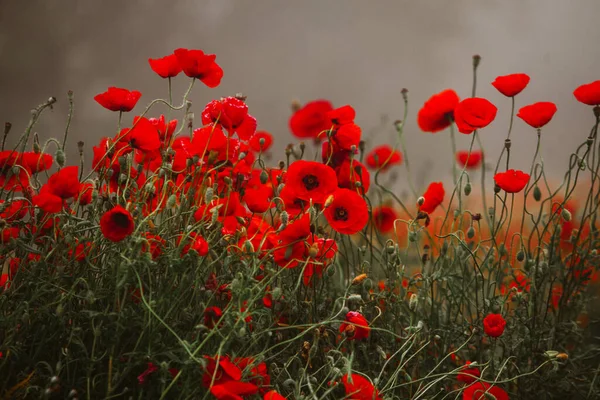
pixel 566 214
pixel 420 201
pixel 471 232
pixel 467 189
pixel 537 193
pixel 59 156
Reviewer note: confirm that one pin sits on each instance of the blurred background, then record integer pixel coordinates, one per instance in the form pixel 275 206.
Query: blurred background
pixel 350 52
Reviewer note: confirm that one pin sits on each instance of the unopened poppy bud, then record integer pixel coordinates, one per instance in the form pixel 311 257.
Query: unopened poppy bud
pixel 209 195
pixel 413 302
pixel 276 293
pixel 59 156
pixel 566 214
pixel 264 177
pixel 328 201
pixel 497 189
pixel 122 178
pixel 248 246
pixel 467 189
pixel 420 201
pixel 242 156
pixel 359 279
pixel 471 232
pixel 582 165
pixel 36 147
pixel 354 297
pixel 520 256
pixel 412 237
pixel 215 215
pixel 502 249
pixel 227 181
pixel 284 218
pixel 537 193
pixel 313 250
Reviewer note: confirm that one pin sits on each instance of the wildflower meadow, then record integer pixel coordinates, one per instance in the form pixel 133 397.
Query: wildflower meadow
pixel 180 258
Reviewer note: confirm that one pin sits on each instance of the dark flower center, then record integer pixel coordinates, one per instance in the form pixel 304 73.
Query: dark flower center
pixel 310 182
pixel 341 214
pixel 121 220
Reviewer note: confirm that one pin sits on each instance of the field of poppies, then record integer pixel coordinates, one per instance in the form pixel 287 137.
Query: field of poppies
pixel 187 264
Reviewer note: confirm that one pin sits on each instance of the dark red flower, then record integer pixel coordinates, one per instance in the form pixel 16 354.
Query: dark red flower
pixel 588 94
pixel 311 180
pixel 483 391
pixel 493 325
pixel 356 326
pixel 118 99
pixel 116 224
pixel 86 191
pixel 384 218
pixel 538 114
pixel 149 370
pixel 511 181
pixel 383 157
pixel 434 196
pixel 437 112
pixel 359 388
pixel 474 113
pixel 347 212
pixel 212 315
pixel 165 130
pixel 261 137
pixel 511 85
pixel 13 174
pixel 196 64
pixel 197 243
pixel 320 253
pixel 468 375
pixel 467 160
pixel 14 210
pixel 311 120
pixel 166 67
pixel 233 390
pixel 47 201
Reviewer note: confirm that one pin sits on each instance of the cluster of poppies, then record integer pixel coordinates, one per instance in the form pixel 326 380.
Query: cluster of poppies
pixel 291 215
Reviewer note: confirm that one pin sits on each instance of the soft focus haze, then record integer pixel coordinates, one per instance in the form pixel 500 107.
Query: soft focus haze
pixel 349 52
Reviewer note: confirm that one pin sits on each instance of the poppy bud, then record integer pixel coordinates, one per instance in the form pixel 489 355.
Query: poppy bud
pixel 467 189
pixel 359 279
pixel 209 195
pixel 420 201
pixel 497 189
pixel 284 218
pixel 264 177
pixel 520 256
pixel 582 165
pixel 502 249
pixel 36 146
pixel 328 201
pixel 241 156
pixel 566 214
pixel 248 246
pixel 276 293
pixel 413 302
pixel 59 156
pixel 537 193
pixel 412 237
pixel 471 232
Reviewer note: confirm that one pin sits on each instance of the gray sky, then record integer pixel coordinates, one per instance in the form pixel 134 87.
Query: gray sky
pixel 350 52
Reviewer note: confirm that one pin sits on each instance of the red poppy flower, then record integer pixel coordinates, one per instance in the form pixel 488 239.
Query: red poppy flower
pixel 384 218
pixel 149 370
pixel 14 210
pixel 86 191
pixel 261 136
pixel 47 201
pixel 212 315
pixel 165 130
pixel 437 112
pixel 511 85
pixel 383 157
pixel 350 177
pixel 116 224
pixel 468 375
pixel 233 390
pixel 434 196
pixel 36 162
pixel 588 94
pixel 342 115
pixel 538 114
pixel 166 67
pixel 347 213
pixel 232 114
pixel 359 388
pixel 347 136
pixel 511 181
pixel 197 243
pixel 467 160
pixel 483 391
pixel 493 325
pixel 13 174
pixel 65 183
pixel 312 119
pixel 196 64
pixel 311 180
pixel 474 113
pixel 118 99
pixel 273 395
pixel 356 326
pixel 321 253
pixel 142 136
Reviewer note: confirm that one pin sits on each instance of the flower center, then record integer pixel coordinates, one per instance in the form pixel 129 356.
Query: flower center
pixel 310 182
pixel 121 220
pixel 341 214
